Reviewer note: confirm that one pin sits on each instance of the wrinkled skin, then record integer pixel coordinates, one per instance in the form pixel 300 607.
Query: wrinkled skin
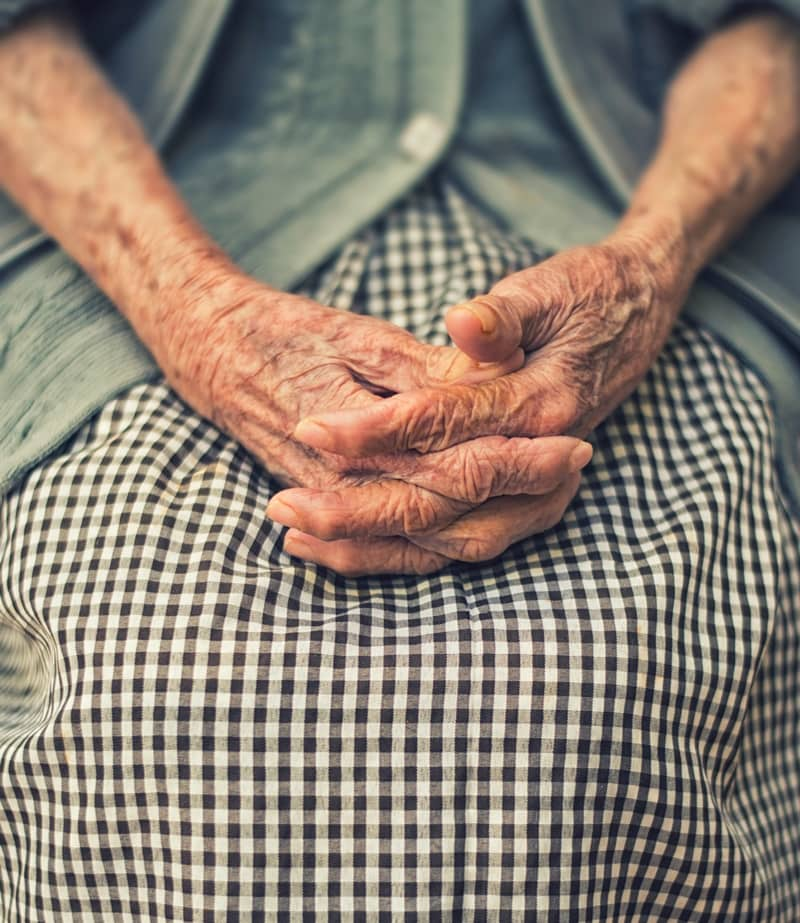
pixel 256 361
pixel 590 320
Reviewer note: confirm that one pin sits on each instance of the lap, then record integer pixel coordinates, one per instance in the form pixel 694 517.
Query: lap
pixel 602 716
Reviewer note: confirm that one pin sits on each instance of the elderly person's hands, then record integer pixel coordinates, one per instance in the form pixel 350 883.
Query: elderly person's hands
pixel 253 359
pixel 256 361
pixel 591 320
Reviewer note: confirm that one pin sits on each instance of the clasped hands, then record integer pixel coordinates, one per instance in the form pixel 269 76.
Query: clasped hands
pixel 401 457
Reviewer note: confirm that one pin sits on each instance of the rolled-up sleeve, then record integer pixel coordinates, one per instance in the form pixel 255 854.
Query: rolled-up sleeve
pixel 12 10
pixel 664 31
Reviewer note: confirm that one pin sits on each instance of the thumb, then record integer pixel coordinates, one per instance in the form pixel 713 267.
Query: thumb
pixel 486 328
pixel 519 312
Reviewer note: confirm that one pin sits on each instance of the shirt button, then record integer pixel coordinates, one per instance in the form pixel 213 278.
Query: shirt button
pixel 423 136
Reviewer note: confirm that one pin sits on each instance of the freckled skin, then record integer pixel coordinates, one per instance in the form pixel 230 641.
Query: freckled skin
pixel 253 360
pixel 442 470
pixel 593 319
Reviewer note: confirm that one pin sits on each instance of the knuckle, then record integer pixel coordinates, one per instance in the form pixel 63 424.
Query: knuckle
pixel 559 419
pixel 347 562
pixel 555 408
pixel 449 416
pixel 392 511
pixel 505 402
pixel 459 413
pixel 328 526
pixel 420 515
pixel 472 548
pixel 553 518
pixel 419 562
pixel 473 474
pixel 520 470
pixel 426 427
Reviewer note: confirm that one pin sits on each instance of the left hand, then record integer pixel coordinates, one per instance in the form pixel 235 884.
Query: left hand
pixel 591 321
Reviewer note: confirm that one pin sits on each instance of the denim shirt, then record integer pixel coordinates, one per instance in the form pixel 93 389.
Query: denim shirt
pixel 290 124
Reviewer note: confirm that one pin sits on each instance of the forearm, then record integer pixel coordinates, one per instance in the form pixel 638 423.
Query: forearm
pixel 730 139
pixel 75 158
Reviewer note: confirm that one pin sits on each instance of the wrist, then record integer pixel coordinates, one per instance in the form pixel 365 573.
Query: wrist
pixel 662 243
pixel 177 286
pixel 208 304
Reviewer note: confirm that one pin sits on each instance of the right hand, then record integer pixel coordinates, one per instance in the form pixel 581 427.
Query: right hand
pixel 256 361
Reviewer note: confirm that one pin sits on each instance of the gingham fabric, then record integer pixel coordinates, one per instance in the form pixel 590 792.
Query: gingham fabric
pixel 600 725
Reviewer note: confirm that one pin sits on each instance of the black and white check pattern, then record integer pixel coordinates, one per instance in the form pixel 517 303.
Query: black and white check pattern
pixel 601 725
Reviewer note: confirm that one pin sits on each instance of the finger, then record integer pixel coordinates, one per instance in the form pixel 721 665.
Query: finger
pixel 489 530
pixel 380 509
pixel 484 328
pixel 398 362
pixel 251 422
pixel 532 402
pixel 436 490
pixel 492 466
pixel 361 558
pixel 521 311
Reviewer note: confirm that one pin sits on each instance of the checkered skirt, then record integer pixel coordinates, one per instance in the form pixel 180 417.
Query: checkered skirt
pixel 603 724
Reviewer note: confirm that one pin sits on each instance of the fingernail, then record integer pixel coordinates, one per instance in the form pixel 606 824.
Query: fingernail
pixel 486 315
pixel 313 433
pixel 294 544
pixel 281 511
pixel 580 457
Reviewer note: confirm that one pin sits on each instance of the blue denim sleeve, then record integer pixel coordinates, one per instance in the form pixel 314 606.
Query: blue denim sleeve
pixel 11 10
pixel 662 33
